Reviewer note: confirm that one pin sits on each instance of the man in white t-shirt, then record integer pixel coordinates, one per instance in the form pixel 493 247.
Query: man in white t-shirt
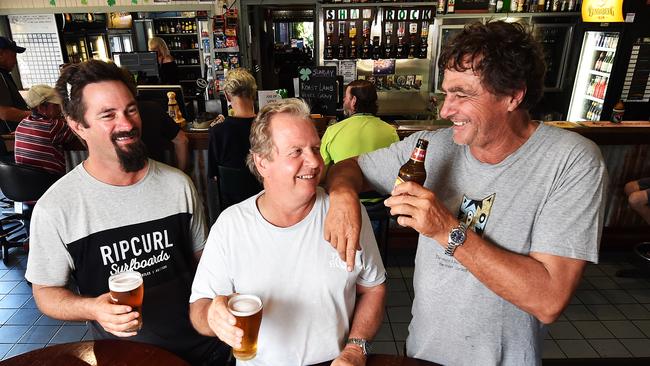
pixel 272 245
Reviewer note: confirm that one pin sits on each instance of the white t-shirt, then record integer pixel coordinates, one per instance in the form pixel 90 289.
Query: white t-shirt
pixel 308 294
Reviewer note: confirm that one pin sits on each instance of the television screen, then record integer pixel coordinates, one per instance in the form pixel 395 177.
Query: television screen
pixel 139 63
pixel 158 94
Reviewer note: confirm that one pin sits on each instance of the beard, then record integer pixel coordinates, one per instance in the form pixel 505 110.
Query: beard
pixel 134 156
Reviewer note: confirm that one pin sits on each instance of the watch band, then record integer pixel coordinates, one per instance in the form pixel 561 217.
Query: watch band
pixel 363 343
pixel 456 238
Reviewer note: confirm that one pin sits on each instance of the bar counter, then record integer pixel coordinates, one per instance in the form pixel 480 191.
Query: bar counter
pixel 625 148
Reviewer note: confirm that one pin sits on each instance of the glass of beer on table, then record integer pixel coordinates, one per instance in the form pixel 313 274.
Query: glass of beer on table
pixel 127 289
pixel 247 309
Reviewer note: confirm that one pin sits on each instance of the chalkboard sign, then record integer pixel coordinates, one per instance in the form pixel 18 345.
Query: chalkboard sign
pixel 318 87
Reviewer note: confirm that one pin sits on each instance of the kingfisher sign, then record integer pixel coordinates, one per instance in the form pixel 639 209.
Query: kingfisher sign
pixel 602 11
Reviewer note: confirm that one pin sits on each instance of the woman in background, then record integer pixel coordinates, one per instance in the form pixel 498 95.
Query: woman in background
pixel 167 67
pixel 228 141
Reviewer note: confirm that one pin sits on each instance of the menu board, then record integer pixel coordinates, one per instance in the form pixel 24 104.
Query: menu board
pixel 318 88
pixel 636 86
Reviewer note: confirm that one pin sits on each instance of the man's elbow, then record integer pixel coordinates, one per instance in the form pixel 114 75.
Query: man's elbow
pixel 550 310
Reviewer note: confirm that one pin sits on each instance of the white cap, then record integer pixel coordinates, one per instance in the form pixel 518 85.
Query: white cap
pixel 39 94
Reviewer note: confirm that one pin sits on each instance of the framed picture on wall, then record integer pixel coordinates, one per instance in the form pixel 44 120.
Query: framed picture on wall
pixel 471 6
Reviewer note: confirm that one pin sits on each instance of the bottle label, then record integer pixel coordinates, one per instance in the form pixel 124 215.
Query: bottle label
pixel 418 154
pixel 617 115
pixel 398 181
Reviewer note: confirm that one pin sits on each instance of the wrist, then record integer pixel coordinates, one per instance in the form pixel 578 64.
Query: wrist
pixel 354 349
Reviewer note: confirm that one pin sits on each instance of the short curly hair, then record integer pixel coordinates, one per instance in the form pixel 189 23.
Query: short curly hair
pixel 240 83
pixel 261 138
pixel 505 55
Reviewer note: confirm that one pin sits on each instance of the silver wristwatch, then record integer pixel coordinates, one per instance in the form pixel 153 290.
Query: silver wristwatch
pixel 363 343
pixel 456 238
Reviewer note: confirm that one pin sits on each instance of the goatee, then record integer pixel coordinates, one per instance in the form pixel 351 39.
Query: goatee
pixel 134 156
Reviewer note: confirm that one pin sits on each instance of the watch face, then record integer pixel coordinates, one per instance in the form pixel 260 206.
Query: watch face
pixel 457 236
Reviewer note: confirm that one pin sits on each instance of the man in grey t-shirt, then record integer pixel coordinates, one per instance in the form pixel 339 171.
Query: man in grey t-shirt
pixel 508 216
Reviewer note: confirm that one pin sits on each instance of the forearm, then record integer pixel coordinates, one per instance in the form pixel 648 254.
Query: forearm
pixel 61 303
pixel 13 114
pixel 540 284
pixel 181 143
pixel 368 312
pixel 345 176
pixel 199 316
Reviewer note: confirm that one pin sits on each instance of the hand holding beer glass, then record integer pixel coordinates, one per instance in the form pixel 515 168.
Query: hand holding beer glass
pixel 247 310
pixel 127 288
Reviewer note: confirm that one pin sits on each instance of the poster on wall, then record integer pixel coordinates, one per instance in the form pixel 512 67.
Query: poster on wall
pixel 39 64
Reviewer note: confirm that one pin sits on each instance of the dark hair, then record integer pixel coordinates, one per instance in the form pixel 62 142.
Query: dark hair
pixel 505 55
pixel 75 77
pixel 366 95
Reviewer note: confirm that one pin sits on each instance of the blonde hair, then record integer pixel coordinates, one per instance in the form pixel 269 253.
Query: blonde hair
pixel 240 83
pixel 158 44
pixel 261 139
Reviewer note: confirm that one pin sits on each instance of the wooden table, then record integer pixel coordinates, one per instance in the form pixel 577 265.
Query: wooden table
pixel 93 353
pixel 389 360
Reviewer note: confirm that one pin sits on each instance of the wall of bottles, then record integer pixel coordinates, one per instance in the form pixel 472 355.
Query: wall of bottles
pixel 404 33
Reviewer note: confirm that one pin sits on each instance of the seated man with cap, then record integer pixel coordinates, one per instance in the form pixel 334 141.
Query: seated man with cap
pixel 41 135
pixel 12 105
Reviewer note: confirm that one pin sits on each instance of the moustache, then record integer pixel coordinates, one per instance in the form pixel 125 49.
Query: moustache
pixel 135 132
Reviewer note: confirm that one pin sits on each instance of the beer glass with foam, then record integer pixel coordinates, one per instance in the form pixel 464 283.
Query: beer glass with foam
pixel 127 289
pixel 247 309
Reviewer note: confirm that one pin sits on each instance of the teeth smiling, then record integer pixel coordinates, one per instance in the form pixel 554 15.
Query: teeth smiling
pixel 306 176
pixel 459 123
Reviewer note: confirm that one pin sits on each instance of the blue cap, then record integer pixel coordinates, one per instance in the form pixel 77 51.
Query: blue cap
pixel 7 44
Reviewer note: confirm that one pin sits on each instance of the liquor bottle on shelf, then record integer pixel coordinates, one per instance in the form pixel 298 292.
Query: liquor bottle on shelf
pixel 451 4
pixel 401 31
pixel 329 51
pixel 492 6
pixel 556 5
pixel 341 53
pixel 540 6
pixel 499 6
pixel 513 5
pixel 599 61
pixel 388 48
pixel 352 34
pixel 376 51
pixel 505 6
pixel 424 36
pixel 365 49
pixel 413 31
pixel 564 6
pixel 352 50
pixel 548 5
pixel 440 9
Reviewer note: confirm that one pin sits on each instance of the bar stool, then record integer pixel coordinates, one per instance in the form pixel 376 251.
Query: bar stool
pixel 23 185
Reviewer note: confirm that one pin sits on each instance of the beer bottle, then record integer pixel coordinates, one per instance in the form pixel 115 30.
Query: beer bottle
pixel 618 112
pixel 413 170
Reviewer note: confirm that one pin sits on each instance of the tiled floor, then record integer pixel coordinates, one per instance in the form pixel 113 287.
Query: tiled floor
pixel 608 316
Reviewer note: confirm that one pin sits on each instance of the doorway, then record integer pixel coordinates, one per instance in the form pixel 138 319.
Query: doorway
pixel 282 40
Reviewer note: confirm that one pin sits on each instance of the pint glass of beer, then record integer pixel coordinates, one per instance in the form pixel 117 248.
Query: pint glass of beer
pixel 127 289
pixel 247 309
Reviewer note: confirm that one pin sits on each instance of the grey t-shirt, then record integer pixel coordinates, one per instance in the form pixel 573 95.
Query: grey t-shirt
pixel 546 197
pixel 87 230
